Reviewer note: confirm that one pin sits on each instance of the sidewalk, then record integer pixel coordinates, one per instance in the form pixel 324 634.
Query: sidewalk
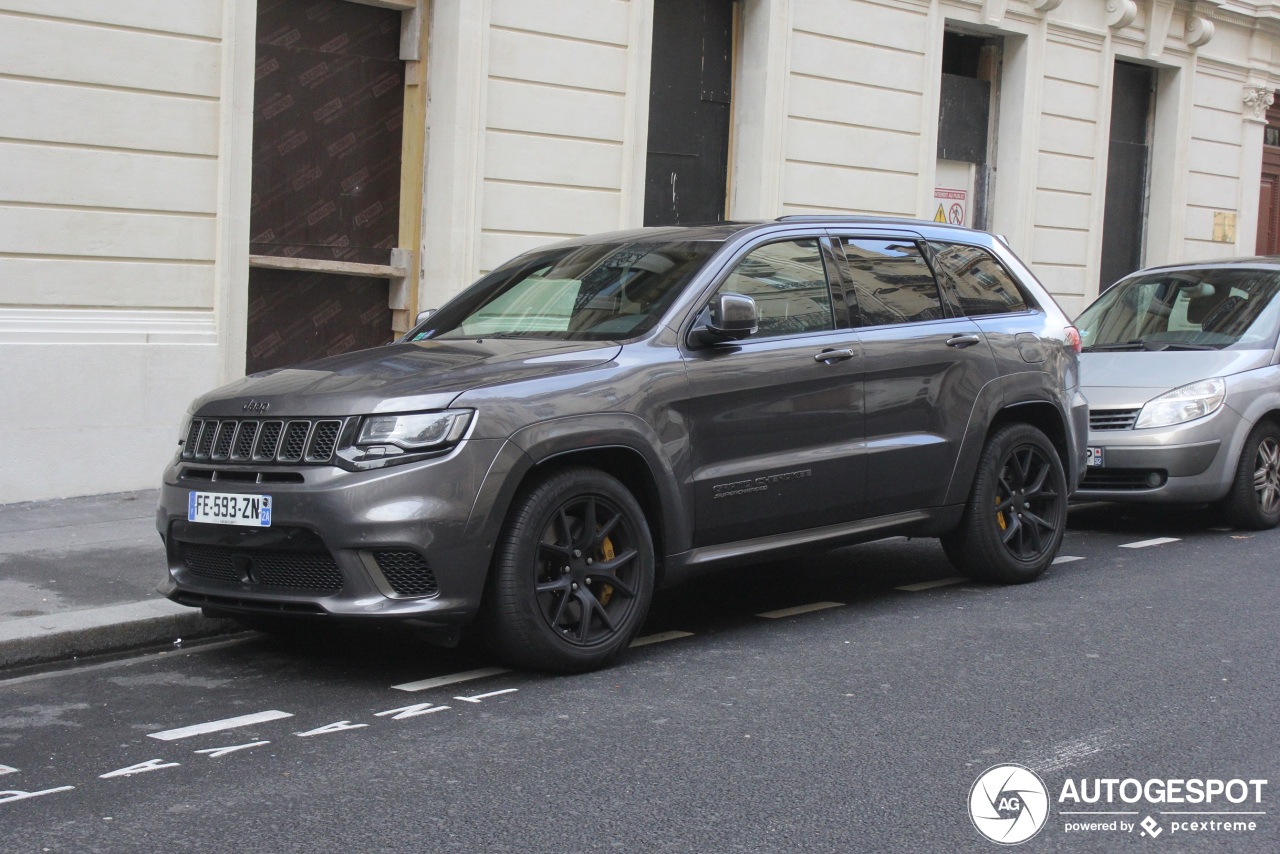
pixel 78 578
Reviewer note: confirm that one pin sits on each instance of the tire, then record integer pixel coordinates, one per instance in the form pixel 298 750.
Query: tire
pixel 572 575
pixel 1017 512
pixel 1253 503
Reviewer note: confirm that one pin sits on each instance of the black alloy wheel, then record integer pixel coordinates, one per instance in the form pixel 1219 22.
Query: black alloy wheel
pixel 1253 503
pixel 573 574
pixel 1017 511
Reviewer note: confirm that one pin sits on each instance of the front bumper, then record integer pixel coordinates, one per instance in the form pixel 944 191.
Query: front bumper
pixel 1192 462
pixel 392 543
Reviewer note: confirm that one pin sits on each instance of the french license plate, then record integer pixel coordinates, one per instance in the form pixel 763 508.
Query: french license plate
pixel 1093 457
pixel 228 508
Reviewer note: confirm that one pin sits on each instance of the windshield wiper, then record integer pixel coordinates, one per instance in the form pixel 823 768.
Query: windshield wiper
pixel 1189 347
pixel 1135 344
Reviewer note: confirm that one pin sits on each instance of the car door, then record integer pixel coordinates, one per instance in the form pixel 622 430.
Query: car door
pixel 923 369
pixel 775 420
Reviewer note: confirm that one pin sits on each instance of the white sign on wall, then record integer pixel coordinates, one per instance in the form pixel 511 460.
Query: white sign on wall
pixel 953 193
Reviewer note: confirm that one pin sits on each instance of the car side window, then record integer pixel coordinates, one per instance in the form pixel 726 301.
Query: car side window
pixel 891 281
pixel 977 281
pixel 788 281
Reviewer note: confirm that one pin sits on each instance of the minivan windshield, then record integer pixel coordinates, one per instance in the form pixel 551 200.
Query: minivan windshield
pixel 596 292
pixel 1205 309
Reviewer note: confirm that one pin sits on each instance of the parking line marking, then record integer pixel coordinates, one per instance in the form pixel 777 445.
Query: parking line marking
pixel 929 585
pixel 660 637
pixel 478 697
pixel 215 752
pixel 218 726
pixel 799 609
pixel 1067 559
pixel 465 676
pixel 1142 544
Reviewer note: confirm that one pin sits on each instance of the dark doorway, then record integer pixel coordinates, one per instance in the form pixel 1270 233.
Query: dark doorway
pixel 1269 198
pixel 688 153
pixel 970 70
pixel 1128 158
pixel 327 135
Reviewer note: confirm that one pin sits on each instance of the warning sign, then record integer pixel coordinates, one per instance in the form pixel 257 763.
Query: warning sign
pixel 953 205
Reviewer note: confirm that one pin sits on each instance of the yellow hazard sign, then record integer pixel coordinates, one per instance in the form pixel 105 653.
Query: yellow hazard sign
pixel 940 216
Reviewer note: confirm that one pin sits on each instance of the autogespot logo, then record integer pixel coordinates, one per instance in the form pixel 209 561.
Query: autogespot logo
pixel 1009 804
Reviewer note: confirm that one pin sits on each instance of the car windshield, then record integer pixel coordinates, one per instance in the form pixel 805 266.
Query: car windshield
pixel 1207 309
pixel 597 292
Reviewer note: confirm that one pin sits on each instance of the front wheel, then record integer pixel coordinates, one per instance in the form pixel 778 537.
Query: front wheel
pixel 1254 500
pixel 1017 511
pixel 572 575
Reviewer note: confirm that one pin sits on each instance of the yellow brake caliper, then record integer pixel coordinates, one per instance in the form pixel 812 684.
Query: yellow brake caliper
pixel 606 553
pixel 1004 526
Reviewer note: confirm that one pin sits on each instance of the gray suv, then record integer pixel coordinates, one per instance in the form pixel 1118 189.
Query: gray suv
pixel 608 414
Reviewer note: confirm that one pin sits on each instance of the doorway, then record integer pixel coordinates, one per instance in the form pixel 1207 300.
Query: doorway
pixel 687 166
pixel 1128 172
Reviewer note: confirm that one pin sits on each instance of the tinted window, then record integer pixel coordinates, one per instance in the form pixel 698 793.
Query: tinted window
pixel 891 281
pixel 976 279
pixel 788 281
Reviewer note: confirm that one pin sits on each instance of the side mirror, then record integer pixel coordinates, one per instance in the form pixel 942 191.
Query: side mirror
pixel 417 321
pixel 730 317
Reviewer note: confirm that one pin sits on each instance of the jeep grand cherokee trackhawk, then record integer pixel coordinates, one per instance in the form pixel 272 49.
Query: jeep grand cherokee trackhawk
pixel 619 411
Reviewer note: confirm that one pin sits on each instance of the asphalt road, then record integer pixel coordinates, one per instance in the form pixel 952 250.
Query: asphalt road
pixel 860 726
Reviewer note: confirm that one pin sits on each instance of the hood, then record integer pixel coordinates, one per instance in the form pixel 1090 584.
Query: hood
pixel 422 375
pixel 1132 378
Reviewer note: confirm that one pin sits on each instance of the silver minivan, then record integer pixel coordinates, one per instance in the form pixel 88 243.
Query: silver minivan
pixel 1179 365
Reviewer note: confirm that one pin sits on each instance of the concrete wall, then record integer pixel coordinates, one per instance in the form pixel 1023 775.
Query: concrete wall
pixel 126 127
pixel 113 181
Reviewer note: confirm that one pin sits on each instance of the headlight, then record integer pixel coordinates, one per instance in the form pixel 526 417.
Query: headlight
pixel 1183 404
pixel 417 431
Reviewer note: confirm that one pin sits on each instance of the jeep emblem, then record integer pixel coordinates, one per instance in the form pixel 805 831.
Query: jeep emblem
pixel 257 406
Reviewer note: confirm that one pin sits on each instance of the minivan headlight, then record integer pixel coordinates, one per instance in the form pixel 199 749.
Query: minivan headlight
pixel 416 431
pixel 1183 404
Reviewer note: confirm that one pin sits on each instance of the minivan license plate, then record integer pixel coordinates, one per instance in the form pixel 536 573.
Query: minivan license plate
pixel 228 508
pixel 1093 459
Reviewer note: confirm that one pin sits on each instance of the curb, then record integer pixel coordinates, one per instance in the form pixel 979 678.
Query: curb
pixel 97 631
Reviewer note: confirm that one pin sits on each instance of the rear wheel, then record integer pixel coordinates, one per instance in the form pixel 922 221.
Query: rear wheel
pixel 1254 500
pixel 1017 511
pixel 572 576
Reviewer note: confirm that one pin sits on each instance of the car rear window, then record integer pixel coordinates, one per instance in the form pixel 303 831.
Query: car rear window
pixel 978 283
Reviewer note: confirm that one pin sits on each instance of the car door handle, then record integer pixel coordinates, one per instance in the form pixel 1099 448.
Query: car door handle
pixel 963 340
pixel 830 357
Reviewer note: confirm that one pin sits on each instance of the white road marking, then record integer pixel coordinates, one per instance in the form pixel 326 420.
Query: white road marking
pixel 14 795
pixel 478 697
pixel 8 769
pixel 215 752
pixel 465 676
pixel 1067 559
pixel 337 726
pixel 929 585
pixel 1142 544
pixel 411 711
pixel 660 637
pixel 218 726
pixel 140 768
pixel 799 609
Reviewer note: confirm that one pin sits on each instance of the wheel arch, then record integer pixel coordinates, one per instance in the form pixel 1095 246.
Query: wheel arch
pixel 1041 414
pixel 620 445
